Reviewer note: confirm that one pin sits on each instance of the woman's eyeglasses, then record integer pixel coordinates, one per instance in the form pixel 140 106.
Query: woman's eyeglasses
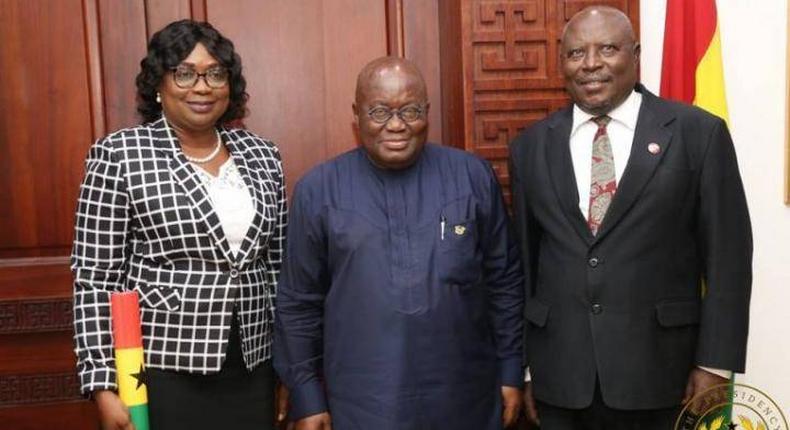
pixel 187 77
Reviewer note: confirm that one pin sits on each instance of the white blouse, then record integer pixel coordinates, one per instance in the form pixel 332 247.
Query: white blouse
pixel 232 201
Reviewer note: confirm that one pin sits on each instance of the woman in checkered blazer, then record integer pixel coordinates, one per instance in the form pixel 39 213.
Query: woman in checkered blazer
pixel 190 213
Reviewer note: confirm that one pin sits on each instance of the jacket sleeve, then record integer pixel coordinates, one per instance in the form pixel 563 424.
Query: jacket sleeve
pixel 526 229
pixel 98 263
pixel 274 253
pixel 298 354
pixel 725 238
pixel 504 279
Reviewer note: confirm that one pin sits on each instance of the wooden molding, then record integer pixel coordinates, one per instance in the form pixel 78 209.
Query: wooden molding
pixel 90 13
pixel 451 49
pixel 395 33
pixel 34 261
pixel 199 10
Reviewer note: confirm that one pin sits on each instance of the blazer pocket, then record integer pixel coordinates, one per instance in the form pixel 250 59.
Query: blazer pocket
pixel 163 298
pixel 678 314
pixel 536 312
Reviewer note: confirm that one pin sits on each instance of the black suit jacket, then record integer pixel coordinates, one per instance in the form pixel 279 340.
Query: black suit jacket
pixel 627 305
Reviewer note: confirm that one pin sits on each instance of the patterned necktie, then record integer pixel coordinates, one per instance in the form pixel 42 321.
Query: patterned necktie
pixel 603 183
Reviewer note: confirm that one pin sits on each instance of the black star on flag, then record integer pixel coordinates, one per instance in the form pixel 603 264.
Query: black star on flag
pixel 732 426
pixel 140 377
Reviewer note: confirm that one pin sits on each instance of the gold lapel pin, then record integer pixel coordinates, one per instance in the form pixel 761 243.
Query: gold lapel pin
pixel 460 230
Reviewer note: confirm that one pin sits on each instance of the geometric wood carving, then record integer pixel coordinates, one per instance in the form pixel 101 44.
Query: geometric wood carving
pixel 24 316
pixel 39 388
pixel 511 61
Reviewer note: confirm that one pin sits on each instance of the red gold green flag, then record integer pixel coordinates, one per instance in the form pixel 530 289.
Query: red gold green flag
pixel 129 360
pixel 692 71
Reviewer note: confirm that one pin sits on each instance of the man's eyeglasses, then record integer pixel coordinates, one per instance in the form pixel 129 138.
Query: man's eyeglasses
pixel 187 77
pixel 408 114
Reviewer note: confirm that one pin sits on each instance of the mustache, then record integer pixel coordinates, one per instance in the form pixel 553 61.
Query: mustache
pixel 591 79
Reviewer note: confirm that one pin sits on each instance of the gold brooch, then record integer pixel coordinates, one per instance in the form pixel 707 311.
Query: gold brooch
pixel 460 230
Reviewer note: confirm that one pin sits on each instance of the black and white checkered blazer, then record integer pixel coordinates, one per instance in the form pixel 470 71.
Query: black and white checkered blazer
pixel 145 222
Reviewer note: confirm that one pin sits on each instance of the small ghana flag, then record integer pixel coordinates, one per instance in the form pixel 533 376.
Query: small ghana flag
pixel 128 338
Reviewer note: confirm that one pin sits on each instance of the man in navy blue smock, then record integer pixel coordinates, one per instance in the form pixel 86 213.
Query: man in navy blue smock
pixel 401 298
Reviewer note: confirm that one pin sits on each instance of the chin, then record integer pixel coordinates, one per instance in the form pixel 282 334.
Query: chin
pixel 598 108
pixel 397 162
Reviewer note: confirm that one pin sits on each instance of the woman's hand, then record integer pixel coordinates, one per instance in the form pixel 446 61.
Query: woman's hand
pixel 113 414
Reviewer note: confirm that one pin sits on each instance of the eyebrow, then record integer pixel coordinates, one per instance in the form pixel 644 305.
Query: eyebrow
pixel 211 64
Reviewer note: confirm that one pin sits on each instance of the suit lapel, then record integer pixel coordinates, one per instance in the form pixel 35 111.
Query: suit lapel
pixel 642 163
pixel 253 181
pixel 560 165
pixel 188 179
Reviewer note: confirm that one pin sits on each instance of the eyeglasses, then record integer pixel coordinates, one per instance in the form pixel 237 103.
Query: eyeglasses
pixel 187 77
pixel 409 113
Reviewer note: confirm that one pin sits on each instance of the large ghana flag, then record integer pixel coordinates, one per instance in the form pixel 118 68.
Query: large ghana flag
pixel 692 71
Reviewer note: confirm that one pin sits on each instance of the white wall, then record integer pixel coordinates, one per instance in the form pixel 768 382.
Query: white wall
pixel 754 47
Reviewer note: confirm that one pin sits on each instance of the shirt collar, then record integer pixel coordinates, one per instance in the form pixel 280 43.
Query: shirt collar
pixel 625 114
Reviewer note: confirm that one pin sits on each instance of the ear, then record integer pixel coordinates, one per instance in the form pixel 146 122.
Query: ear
pixel 637 51
pixel 427 107
pixel 356 114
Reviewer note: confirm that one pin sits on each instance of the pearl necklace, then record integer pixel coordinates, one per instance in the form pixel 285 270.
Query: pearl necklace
pixel 209 157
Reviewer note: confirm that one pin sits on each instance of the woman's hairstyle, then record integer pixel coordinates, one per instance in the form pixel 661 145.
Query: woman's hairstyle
pixel 168 48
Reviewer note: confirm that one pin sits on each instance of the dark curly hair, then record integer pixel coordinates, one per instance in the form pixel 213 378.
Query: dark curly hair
pixel 169 46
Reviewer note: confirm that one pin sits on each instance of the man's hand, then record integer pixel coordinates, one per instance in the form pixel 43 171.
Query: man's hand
pixel 281 403
pixel 320 421
pixel 511 404
pixel 529 405
pixel 113 414
pixel 701 381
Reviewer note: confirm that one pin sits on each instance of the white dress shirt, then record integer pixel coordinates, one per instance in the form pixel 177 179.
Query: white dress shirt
pixel 231 200
pixel 621 136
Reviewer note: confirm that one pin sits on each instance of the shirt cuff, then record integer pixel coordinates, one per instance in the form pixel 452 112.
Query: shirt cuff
pixel 726 374
pixel 511 372
pixel 307 399
pixel 527 375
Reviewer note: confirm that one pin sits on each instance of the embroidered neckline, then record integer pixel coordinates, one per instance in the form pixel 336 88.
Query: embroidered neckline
pixel 228 175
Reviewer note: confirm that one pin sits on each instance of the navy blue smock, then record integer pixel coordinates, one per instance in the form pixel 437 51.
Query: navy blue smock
pixel 400 302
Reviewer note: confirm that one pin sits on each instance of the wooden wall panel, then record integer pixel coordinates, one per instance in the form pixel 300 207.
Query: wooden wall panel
pixel 300 60
pixel 69 67
pixel 54 110
pixel 421 45
pixel 354 34
pixel 282 87
pixel 510 62
pixel 159 13
pixel 123 43
pixel 45 125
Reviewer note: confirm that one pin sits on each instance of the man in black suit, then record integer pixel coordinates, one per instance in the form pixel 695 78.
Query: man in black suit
pixel 637 243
